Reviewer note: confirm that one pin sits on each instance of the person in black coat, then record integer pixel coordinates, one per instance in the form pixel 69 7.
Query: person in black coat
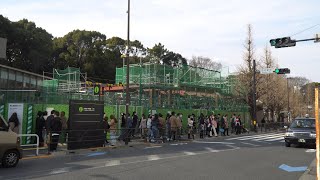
pixel 40 125
pixel 134 123
pixel 49 119
pixel 55 127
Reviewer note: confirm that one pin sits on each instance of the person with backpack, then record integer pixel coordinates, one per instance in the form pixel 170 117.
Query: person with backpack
pixel 232 123
pixel 162 126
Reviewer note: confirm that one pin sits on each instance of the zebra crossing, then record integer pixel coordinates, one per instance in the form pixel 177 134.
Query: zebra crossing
pixel 270 137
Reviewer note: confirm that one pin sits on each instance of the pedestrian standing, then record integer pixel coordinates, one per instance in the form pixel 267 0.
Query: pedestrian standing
pixel 64 127
pixel 134 123
pixel 190 127
pixel 162 126
pixel 113 130
pixel 179 126
pixel 154 127
pixel 232 123
pixel 40 125
pixel 168 126
pixel 238 125
pixel 149 128
pixel 55 127
pixel 143 126
pixel 201 125
pixel 226 125
pixel 174 125
pixel 214 125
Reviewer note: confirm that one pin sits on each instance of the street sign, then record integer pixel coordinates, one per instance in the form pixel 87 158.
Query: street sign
pixel 266 71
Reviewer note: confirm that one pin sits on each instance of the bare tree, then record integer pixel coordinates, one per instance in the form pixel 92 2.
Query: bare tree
pixel 205 62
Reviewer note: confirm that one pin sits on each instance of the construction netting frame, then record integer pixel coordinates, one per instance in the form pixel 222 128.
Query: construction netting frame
pixel 68 79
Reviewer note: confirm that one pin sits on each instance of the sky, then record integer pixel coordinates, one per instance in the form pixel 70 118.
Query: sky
pixel 211 28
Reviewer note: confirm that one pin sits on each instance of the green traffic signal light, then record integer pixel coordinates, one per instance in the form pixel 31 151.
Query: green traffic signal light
pixel 273 42
pixel 277 71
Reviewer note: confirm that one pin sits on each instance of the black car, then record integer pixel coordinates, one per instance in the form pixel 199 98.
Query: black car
pixel 302 131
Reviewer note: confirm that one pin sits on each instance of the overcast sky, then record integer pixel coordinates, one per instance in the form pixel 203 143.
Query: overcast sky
pixel 212 28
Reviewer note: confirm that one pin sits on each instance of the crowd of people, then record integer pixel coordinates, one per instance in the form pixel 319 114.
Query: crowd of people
pixel 155 127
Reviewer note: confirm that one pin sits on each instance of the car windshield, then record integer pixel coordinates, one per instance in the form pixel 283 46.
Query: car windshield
pixel 303 123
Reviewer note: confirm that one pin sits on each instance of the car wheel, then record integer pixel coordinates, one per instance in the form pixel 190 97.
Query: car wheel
pixel 10 159
pixel 287 144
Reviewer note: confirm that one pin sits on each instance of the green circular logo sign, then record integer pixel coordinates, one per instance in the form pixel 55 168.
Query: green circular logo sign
pixel 96 89
pixel 80 109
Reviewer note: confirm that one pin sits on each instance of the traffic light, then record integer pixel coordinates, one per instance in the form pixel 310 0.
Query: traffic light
pixel 282 42
pixel 282 71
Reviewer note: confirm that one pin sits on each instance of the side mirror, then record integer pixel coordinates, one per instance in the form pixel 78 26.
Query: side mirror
pixel 286 127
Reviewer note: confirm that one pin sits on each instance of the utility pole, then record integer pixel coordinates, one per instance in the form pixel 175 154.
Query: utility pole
pixel 316 106
pixel 128 70
pixel 254 96
pixel 288 99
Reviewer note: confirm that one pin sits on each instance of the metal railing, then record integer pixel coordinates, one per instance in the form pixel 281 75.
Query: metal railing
pixel 37 142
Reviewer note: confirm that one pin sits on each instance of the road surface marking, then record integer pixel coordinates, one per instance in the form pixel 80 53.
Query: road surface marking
pixel 206 142
pixel 96 154
pixel 112 163
pixel 261 136
pixel 36 157
pixel 255 145
pixel 276 139
pixel 270 137
pixel 311 150
pixel 151 147
pixel 233 147
pixel 60 171
pixel 293 169
pixel 153 157
pixel 211 150
pixel 189 153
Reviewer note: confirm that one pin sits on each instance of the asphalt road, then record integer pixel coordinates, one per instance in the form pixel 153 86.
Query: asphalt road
pixel 246 157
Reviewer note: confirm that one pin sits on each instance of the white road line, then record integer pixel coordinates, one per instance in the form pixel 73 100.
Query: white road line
pixel 60 171
pixel 233 147
pixel 256 136
pixel 276 139
pixel 311 150
pixel 211 150
pixel 270 137
pixel 153 157
pixel 209 142
pixel 151 147
pixel 112 163
pixel 189 153
pixel 255 145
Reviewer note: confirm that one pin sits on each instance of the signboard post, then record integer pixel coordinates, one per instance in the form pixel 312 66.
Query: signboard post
pixel 86 128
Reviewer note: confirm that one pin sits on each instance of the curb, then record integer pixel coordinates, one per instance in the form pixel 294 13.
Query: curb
pixel 37 157
pixel 310 173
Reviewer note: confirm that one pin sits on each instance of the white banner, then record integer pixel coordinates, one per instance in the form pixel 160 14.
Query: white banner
pixel 16 108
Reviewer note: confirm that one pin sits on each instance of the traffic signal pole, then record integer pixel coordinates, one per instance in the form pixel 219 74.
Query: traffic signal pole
pixel 254 96
pixel 316 104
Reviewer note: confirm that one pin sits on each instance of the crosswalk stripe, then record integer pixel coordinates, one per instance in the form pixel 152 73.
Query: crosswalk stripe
pixel 256 136
pixel 250 144
pixel 276 139
pixel 271 137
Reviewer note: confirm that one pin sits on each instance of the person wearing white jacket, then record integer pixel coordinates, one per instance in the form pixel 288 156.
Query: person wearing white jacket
pixel 214 125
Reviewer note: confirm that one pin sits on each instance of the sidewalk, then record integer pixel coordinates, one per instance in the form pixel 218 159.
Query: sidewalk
pixel 310 173
pixel 62 150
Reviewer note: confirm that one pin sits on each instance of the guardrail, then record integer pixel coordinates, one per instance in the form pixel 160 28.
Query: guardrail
pixel 31 135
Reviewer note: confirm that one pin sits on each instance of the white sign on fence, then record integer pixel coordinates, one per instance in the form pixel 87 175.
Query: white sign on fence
pixel 266 71
pixel 16 108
